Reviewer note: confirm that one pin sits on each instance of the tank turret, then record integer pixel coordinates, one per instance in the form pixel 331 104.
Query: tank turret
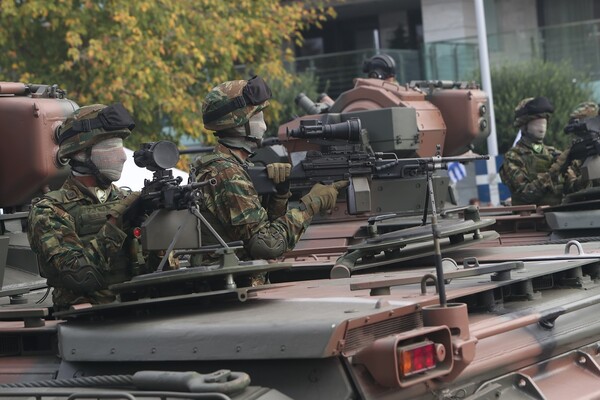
pixel 422 118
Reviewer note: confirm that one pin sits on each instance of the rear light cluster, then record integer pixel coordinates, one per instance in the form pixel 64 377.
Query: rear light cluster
pixel 405 359
pixel 417 358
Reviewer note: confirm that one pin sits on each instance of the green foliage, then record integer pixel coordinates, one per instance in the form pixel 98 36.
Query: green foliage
pixel 283 106
pixel 560 83
pixel 158 57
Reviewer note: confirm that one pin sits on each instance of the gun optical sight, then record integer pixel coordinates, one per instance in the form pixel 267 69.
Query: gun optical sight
pixel 156 156
pixel 314 129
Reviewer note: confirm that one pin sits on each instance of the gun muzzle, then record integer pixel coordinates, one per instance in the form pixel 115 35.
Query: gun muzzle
pixel 309 106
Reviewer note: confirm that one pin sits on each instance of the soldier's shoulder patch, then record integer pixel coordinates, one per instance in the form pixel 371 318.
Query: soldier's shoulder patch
pixel 70 195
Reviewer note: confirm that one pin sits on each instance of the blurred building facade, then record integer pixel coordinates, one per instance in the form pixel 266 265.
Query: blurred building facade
pixel 437 39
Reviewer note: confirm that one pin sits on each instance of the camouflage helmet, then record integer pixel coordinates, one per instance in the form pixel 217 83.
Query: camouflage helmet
pixel 233 103
pixel 89 125
pixel 532 108
pixel 587 109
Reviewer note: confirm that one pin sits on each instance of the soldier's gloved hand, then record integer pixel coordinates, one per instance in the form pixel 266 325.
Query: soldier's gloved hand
pixel 279 174
pixel 323 197
pixel 557 166
pixel 115 215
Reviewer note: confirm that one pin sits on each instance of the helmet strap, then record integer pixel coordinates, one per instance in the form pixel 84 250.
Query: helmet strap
pixel 87 167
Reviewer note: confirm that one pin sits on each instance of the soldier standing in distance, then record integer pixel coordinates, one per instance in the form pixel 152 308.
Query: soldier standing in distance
pixel 573 179
pixel 77 231
pixel 531 169
pixel 233 110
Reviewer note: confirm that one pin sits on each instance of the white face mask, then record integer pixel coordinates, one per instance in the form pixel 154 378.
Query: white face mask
pixel 258 127
pixel 109 157
pixel 537 128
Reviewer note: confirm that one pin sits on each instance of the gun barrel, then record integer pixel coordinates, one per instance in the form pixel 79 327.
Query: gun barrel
pixel 464 158
pixel 309 106
pixel 196 185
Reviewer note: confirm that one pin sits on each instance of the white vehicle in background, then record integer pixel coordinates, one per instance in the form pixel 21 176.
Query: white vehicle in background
pixel 134 176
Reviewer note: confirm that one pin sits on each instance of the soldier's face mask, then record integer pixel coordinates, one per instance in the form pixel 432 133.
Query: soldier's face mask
pixel 537 128
pixel 109 157
pixel 255 129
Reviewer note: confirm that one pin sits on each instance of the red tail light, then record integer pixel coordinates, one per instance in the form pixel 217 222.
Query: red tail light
pixel 404 359
pixel 137 232
pixel 416 358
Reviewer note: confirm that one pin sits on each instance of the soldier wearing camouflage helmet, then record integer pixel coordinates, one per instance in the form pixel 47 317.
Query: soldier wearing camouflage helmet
pixel 531 169
pixel 584 110
pixel 574 181
pixel 233 110
pixel 77 231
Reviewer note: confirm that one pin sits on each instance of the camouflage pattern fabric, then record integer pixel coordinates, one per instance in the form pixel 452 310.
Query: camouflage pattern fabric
pixel 524 119
pixel 84 140
pixel 234 208
pixel 574 180
pixel 221 95
pixel 525 172
pixel 587 109
pixel 59 240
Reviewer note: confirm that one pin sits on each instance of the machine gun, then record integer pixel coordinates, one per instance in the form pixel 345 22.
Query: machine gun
pixel 348 155
pixel 167 224
pixel 585 146
pixel 173 225
pixel 164 191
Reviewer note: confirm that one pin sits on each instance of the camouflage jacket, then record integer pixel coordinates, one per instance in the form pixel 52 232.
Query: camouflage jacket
pixel 526 173
pixel 234 208
pixel 70 223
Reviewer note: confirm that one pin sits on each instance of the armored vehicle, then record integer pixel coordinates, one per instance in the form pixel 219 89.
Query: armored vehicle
pixel 378 135
pixel 405 322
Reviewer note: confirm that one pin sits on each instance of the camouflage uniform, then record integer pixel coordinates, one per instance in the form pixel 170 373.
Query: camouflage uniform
pixel 525 172
pixel 574 179
pixel 531 169
pixel 80 251
pixel 234 208
pixel 233 110
pixel 68 225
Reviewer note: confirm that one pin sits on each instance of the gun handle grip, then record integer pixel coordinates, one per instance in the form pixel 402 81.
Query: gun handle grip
pixel 261 181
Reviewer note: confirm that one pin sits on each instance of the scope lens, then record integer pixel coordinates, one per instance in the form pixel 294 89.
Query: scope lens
pixel 165 154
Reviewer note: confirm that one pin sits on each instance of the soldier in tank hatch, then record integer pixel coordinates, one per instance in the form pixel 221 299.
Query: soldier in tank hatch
pixel 380 66
pixel 233 110
pixel 531 169
pixel 78 231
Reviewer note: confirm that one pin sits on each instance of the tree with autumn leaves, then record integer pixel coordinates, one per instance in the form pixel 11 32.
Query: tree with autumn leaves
pixel 158 57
